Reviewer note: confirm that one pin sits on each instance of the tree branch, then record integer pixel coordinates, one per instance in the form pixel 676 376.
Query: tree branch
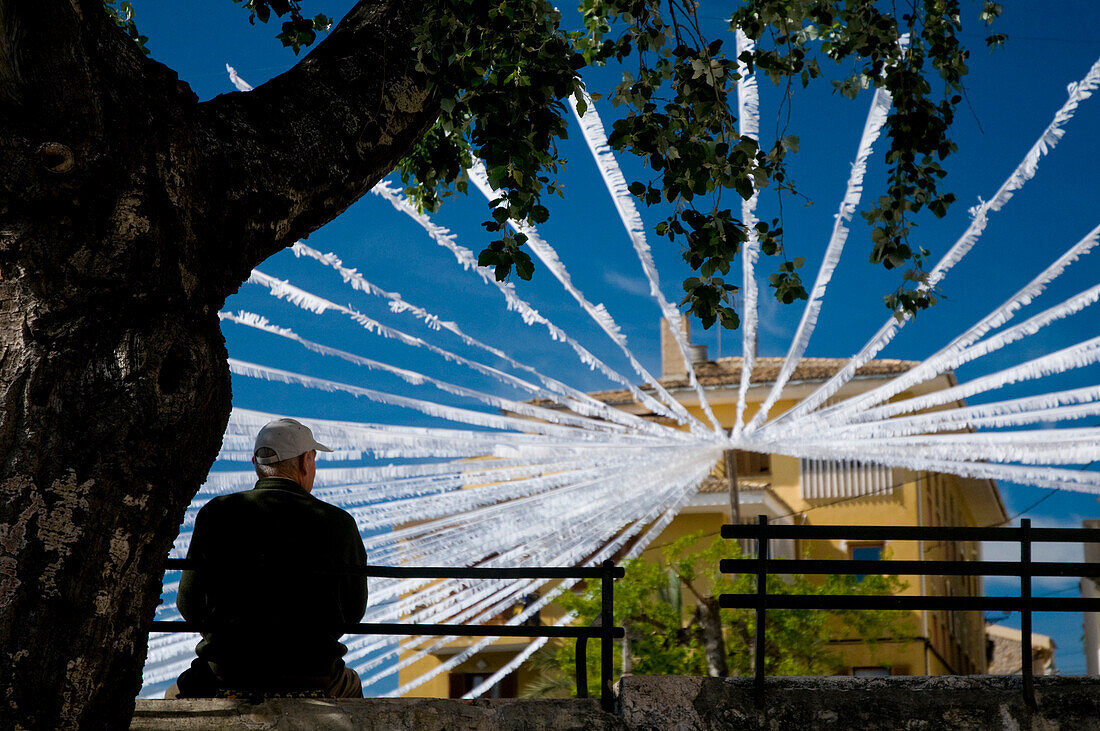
pixel 281 161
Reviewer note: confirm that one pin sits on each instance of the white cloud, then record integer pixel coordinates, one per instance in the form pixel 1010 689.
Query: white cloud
pixel 768 317
pixel 631 285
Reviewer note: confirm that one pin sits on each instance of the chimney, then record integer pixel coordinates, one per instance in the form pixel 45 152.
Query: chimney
pixel 672 362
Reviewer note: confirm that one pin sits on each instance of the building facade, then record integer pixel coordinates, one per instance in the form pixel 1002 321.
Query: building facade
pixel 816 492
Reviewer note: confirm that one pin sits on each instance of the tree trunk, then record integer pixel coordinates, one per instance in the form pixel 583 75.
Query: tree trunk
pixel 714 643
pixel 128 212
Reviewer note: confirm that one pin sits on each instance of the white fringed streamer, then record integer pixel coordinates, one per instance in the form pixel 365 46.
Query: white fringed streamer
pixel 748 111
pixel 1061 478
pixel 591 539
pixel 452 413
pixel 943 359
pixel 1045 408
pixel 244 423
pixel 239 83
pixel 635 551
pixel 608 550
pixel 556 514
pixel 627 497
pixel 512 665
pixel 599 314
pixel 748 95
pixel 594 134
pixel 1077 480
pixel 397 502
pixel 463 502
pixel 313 303
pixel 1024 172
pixel 1060 361
pixel 876 118
pixel 529 314
pixel 253 320
pixel 399 304
pixel 1043 447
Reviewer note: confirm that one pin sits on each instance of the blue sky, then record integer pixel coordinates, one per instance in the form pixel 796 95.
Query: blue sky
pixel 1011 96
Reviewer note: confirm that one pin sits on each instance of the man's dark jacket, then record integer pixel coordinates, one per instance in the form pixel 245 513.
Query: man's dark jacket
pixel 270 599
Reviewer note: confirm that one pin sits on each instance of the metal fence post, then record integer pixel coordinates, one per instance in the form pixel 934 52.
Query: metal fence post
pixel 1025 611
pixel 581 660
pixel 607 626
pixel 761 595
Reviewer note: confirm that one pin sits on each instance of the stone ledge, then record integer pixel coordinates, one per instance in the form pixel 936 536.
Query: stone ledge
pixel 948 703
pixel 943 703
pixel 381 714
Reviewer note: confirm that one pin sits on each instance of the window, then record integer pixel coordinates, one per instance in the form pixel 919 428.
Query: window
pixel 865 552
pixel 824 479
pixel 870 672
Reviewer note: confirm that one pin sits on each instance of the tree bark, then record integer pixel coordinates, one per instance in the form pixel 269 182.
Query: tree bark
pixel 714 642
pixel 128 212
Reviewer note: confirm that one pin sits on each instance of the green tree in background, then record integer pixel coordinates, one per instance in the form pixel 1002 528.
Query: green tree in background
pixel 675 627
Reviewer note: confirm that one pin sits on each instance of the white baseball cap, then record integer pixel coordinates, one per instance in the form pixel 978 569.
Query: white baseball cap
pixel 287 438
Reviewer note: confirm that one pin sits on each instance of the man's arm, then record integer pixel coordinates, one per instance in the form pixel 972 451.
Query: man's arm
pixel 353 589
pixel 192 597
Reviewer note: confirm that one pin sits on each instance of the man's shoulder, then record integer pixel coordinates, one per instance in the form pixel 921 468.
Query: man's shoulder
pixel 220 502
pixel 333 512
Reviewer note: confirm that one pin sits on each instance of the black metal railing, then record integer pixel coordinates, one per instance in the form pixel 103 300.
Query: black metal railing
pixel 762 565
pixel 606 632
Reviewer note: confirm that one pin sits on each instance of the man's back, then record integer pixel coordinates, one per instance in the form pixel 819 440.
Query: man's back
pixel 271 595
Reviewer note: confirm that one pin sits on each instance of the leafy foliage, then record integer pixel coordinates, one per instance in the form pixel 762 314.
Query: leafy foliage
pixel 122 13
pixel 297 31
pixel 678 118
pixel 655 603
pixel 502 68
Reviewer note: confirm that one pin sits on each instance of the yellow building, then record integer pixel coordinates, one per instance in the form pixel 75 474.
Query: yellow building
pixel 816 492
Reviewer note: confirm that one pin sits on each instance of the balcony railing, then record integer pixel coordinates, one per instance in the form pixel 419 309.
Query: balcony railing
pixel 1024 569
pixel 606 632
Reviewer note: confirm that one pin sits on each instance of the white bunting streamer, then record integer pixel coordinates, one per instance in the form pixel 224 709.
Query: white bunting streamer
pixel 597 312
pixel 748 111
pixel 529 314
pixel 946 358
pixel 412 377
pixel 876 118
pixel 1060 361
pixel 1048 408
pixel 1024 172
pixel 356 280
pixel 596 137
pixel 318 305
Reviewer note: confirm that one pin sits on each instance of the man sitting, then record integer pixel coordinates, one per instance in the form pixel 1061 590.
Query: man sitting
pixel 268 595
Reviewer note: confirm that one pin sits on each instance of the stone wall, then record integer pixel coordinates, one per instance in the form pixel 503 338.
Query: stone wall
pixel 940 703
pixel 376 714
pixel 975 703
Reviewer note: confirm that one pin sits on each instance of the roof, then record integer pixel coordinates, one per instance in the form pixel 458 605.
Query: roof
pixel 714 484
pixel 727 372
pixel 1015 635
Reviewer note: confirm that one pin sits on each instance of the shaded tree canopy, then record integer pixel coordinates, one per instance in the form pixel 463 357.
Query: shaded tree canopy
pixel 129 211
pixel 680 118
pixel 495 63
